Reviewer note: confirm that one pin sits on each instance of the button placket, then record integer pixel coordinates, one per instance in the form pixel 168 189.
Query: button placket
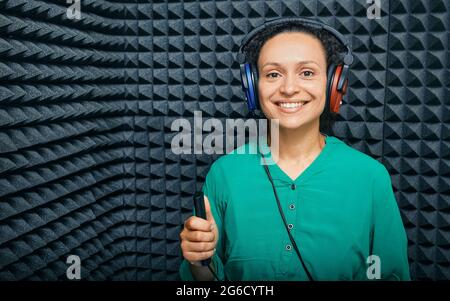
pixel 290 213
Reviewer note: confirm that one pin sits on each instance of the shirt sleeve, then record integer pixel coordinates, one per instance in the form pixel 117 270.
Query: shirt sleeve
pixel 389 241
pixel 211 188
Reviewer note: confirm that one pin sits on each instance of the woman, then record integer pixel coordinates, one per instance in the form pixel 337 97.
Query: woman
pixel 341 217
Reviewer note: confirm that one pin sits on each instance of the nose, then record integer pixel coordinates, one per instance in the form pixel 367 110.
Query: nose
pixel 290 85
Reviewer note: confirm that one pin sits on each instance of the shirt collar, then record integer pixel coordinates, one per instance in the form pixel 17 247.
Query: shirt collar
pixel 265 155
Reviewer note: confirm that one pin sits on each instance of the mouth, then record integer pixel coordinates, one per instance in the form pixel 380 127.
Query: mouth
pixel 291 106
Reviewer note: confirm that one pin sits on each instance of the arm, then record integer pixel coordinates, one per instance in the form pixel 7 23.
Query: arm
pixel 389 241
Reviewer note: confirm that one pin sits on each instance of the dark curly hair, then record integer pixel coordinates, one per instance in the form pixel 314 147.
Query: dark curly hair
pixel 333 49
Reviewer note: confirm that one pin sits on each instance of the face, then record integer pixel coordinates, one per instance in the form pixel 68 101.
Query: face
pixel 292 79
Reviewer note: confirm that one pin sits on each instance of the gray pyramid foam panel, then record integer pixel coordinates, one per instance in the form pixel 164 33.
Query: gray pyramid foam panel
pixel 86 108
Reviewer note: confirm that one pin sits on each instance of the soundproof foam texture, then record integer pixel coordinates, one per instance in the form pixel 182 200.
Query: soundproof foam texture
pixel 86 108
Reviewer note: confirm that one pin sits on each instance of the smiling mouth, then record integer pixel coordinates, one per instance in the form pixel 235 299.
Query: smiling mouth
pixel 291 104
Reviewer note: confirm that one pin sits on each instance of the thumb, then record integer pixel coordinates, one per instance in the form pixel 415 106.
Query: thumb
pixel 209 215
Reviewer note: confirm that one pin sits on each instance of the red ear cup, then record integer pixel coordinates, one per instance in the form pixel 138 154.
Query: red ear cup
pixel 335 94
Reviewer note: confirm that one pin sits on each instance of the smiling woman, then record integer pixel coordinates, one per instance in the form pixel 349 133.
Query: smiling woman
pixel 292 79
pixel 312 65
pixel 319 209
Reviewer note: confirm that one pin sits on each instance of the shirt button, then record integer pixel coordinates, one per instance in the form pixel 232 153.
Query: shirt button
pixel 290 226
pixel 288 247
pixel 292 206
pixel 293 186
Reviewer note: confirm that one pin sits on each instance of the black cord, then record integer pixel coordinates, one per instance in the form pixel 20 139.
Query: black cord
pixel 214 274
pixel 294 244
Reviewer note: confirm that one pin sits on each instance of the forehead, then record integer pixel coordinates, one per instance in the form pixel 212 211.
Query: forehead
pixel 292 46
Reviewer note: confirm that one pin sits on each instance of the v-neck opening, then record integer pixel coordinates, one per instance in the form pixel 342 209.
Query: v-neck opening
pixel 278 172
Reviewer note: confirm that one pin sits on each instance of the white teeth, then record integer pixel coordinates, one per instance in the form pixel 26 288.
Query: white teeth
pixel 291 104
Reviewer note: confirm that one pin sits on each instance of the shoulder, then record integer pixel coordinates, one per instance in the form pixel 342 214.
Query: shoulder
pixel 360 170
pixel 342 157
pixel 239 158
pixel 228 172
pixel 354 159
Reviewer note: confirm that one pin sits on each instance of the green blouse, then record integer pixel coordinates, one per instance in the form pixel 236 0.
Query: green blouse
pixel 342 209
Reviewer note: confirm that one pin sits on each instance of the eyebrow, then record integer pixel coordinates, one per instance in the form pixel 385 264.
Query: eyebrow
pixel 279 65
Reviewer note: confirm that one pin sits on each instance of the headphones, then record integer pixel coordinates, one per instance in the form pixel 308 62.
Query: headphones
pixel 337 76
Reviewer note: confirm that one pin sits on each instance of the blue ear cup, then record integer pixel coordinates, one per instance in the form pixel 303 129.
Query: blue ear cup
pixel 249 79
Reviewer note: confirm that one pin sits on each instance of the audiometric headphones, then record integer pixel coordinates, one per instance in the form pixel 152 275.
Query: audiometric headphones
pixel 337 76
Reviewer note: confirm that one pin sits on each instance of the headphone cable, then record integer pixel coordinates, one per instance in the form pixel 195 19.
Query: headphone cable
pixel 294 244
pixel 214 274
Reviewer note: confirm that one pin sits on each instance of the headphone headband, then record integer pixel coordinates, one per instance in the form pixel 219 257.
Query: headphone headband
pixel 308 22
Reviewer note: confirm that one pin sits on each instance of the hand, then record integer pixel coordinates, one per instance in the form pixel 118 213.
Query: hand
pixel 199 237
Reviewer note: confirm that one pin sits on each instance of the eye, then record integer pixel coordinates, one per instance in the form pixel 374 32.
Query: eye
pixel 272 75
pixel 307 73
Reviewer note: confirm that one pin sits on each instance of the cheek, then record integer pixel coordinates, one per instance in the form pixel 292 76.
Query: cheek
pixel 265 90
pixel 316 89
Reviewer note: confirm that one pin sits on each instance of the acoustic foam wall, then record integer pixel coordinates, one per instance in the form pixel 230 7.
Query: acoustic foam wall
pixel 86 108
pixel 416 130
pixel 68 91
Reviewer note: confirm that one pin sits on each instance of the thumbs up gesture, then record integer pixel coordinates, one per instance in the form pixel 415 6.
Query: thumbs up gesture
pixel 199 237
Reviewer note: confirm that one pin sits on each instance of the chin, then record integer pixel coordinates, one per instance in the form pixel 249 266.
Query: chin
pixel 294 122
pixel 291 125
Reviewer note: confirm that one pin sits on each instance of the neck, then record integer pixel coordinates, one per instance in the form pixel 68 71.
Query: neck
pixel 297 146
